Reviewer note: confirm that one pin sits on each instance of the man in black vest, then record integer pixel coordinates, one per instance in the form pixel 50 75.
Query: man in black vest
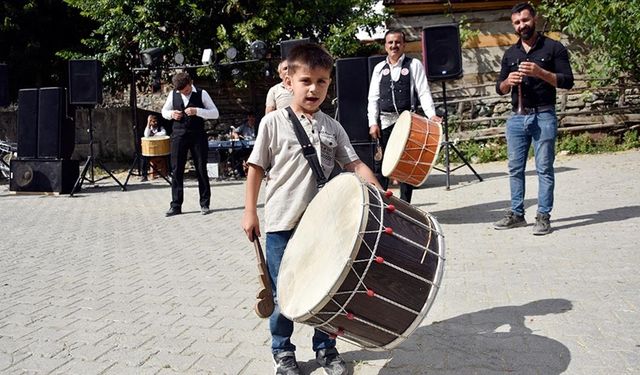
pixel 188 107
pixel 394 82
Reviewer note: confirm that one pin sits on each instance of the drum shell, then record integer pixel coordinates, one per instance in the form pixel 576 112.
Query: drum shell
pixel 156 146
pixel 417 151
pixel 404 277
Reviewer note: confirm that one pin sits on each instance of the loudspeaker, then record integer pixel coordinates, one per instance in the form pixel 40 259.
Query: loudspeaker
pixel 4 85
pixel 287 45
pixel 373 61
pixel 352 86
pixel 34 175
pixel 28 123
pixel 85 82
pixel 56 132
pixel 441 52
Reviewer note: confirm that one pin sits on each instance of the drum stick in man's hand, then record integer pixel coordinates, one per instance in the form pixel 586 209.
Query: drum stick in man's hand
pixel 264 304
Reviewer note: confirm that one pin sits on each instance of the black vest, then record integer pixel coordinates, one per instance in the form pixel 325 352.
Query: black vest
pixel 399 90
pixel 189 123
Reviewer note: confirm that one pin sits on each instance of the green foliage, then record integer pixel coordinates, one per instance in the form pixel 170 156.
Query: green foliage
pixel 31 32
pixel 189 26
pixel 609 30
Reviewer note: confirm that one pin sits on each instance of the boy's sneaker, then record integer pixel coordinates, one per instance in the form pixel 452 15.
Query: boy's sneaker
pixel 510 220
pixel 285 364
pixel 542 226
pixel 331 362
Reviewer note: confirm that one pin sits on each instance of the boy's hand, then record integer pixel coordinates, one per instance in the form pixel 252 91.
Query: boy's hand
pixel 250 224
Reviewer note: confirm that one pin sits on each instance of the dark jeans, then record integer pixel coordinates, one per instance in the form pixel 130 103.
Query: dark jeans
pixel 282 328
pixel 183 141
pixel 406 190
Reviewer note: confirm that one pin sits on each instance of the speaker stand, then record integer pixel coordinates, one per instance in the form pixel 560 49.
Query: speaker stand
pixel 448 145
pixel 90 164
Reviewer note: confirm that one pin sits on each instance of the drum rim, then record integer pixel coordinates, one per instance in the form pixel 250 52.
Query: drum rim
pixel 335 287
pixel 396 133
pixel 156 137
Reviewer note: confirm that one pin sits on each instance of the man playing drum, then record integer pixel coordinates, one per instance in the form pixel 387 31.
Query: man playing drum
pixel 152 129
pixel 291 185
pixel 393 84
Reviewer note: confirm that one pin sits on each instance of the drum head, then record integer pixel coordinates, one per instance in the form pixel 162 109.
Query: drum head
pixel 396 143
pixel 318 256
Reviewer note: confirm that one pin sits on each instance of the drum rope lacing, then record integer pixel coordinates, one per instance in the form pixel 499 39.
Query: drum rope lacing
pixel 415 162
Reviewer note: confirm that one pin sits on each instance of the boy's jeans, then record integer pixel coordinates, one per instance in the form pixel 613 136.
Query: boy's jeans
pixel 281 327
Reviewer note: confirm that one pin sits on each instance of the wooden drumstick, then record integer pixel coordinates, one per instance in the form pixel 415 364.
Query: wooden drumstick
pixel 264 304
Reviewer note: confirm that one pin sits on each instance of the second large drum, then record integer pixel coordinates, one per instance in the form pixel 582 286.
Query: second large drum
pixel 362 265
pixel 412 149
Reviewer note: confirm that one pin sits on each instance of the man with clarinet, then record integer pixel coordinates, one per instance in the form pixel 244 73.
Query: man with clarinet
pixel 531 70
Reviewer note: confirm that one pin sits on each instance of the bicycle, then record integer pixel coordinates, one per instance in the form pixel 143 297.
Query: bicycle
pixel 7 151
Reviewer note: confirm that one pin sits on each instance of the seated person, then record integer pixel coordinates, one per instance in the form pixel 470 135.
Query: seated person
pixel 152 129
pixel 247 130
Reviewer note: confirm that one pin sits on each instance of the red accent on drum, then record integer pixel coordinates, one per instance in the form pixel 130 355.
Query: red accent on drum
pixel 388 230
pixel 350 316
pixel 333 337
pixel 388 193
pixel 391 208
pixel 370 293
pixel 340 332
pixel 379 260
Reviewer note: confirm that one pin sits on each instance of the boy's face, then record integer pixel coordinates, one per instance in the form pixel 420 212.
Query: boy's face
pixel 153 122
pixel 309 87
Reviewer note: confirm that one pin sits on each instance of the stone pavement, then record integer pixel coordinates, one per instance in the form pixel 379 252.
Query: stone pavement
pixel 103 283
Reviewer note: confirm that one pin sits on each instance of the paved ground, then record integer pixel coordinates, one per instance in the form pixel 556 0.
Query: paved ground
pixel 102 283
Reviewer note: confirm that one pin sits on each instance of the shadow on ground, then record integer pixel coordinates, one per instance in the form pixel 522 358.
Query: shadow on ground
pixel 495 340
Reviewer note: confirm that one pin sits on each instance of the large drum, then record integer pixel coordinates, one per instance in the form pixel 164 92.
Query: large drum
pixel 159 145
pixel 412 149
pixel 362 265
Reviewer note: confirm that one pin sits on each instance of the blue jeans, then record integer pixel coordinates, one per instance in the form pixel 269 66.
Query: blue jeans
pixel 540 129
pixel 282 328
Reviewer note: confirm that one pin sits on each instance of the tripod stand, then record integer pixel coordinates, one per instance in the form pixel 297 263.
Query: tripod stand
pixel 90 164
pixel 449 145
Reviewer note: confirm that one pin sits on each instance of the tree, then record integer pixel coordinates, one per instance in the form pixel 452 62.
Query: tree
pixel 31 34
pixel 609 30
pixel 128 26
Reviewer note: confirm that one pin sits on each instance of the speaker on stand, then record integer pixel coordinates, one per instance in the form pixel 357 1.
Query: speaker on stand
pixel 85 89
pixel 442 58
pixel 287 45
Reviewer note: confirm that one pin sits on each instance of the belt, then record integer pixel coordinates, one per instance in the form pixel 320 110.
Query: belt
pixel 542 108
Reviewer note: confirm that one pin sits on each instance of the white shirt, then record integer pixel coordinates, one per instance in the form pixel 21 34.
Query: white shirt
pixel 419 83
pixel 159 130
pixel 209 112
pixel 278 96
pixel 290 183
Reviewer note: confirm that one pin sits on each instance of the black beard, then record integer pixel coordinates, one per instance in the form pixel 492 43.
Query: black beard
pixel 527 33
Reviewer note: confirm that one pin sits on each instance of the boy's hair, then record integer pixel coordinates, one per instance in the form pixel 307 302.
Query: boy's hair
pixel 395 31
pixel 311 55
pixel 181 80
pixel 522 6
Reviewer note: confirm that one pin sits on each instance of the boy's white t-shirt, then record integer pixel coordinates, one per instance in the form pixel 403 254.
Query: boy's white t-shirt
pixel 289 182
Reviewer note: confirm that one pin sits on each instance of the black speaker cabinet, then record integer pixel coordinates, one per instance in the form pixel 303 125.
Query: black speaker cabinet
pixel 37 175
pixel 28 123
pixel 287 45
pixel 352 86
pixel 85 82
pixel 441 52
pixel 4 85
pixel 373 61
pixel 56 132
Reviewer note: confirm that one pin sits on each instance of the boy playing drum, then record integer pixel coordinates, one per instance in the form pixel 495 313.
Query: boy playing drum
pixel 290 185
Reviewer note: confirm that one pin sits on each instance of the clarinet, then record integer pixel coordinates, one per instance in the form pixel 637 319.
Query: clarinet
pixel 520 110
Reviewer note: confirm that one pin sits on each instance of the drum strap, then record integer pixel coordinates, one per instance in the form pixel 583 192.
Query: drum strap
pixel 307 149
